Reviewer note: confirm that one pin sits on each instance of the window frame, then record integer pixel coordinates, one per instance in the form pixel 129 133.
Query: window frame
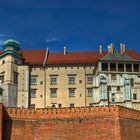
pixel 33 80
pixel 135 96
pixel 72 94
pixel 32 106
pixel 89 79
pixel 53 94
pixel 33 93
pixel 53 80
pixel 2 77
pixel 90 94
pixel 113 97
pixel 15 77
pixel 113 76
pixel 71 79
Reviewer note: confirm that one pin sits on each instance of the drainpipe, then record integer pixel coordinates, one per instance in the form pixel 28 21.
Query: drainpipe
pixel 44 87
pixel 44 66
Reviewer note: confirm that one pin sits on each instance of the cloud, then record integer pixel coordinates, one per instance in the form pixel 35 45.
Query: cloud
pixel 53 40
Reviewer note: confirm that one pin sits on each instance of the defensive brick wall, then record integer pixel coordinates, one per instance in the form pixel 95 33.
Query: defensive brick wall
pixel 85 123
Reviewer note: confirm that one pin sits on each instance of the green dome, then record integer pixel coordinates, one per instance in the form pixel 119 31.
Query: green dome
pixel 11 44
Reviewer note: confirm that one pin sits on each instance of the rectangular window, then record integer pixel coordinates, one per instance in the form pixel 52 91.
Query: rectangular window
pixel 118 88
pixel 104 66
pixel 136 67
pixel 53 92
pixel 121 67
pixel 113 77
pixel 72 79
pixel 109 88
pixel 33 79
pixel 53 80
pixel 71 92
pixel 90 92
pixel 2 77
pixel 112 67
pixel 33 93
pixel 71 105
pixel 132 82
pixel 128 67
pixel 89 79
pixel 32 106
pixel 134 96
pixel 113 97
pixel 15 77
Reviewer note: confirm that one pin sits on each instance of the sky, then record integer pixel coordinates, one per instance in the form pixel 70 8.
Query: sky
pixel 80 25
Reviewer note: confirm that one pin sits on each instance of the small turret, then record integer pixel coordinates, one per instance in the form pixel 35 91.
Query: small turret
pixel 11 45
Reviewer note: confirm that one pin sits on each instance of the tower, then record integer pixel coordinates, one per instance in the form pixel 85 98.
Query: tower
pixel 9 59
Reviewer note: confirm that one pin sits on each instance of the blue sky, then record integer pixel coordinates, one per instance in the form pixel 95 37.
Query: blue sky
pixel 81 25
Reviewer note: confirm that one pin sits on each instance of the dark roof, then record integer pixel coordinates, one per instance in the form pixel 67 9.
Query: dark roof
pixel 116 56
pixel 37 57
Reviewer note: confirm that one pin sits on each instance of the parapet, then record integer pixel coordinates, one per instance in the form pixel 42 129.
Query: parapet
pixel 79 112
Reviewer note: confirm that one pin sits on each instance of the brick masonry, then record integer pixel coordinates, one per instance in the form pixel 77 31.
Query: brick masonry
pixel 85 123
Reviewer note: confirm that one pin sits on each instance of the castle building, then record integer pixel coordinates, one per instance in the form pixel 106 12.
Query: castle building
pixel 42 79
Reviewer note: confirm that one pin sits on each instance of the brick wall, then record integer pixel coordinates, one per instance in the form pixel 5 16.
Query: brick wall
pixel 99 123
pixel 1 120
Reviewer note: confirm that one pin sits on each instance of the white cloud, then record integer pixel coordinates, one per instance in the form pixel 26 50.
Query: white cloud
pixel 53 40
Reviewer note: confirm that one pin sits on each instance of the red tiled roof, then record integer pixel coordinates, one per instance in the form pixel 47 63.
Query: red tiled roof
pixel 37 57
pixel 133 54
pixel 74 58
pixel 33 56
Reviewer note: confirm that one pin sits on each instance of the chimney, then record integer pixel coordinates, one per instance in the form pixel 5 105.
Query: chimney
pixel 101 49
pixel 65 50
pixel 121 49
pixel 124 49
pixel 111 48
